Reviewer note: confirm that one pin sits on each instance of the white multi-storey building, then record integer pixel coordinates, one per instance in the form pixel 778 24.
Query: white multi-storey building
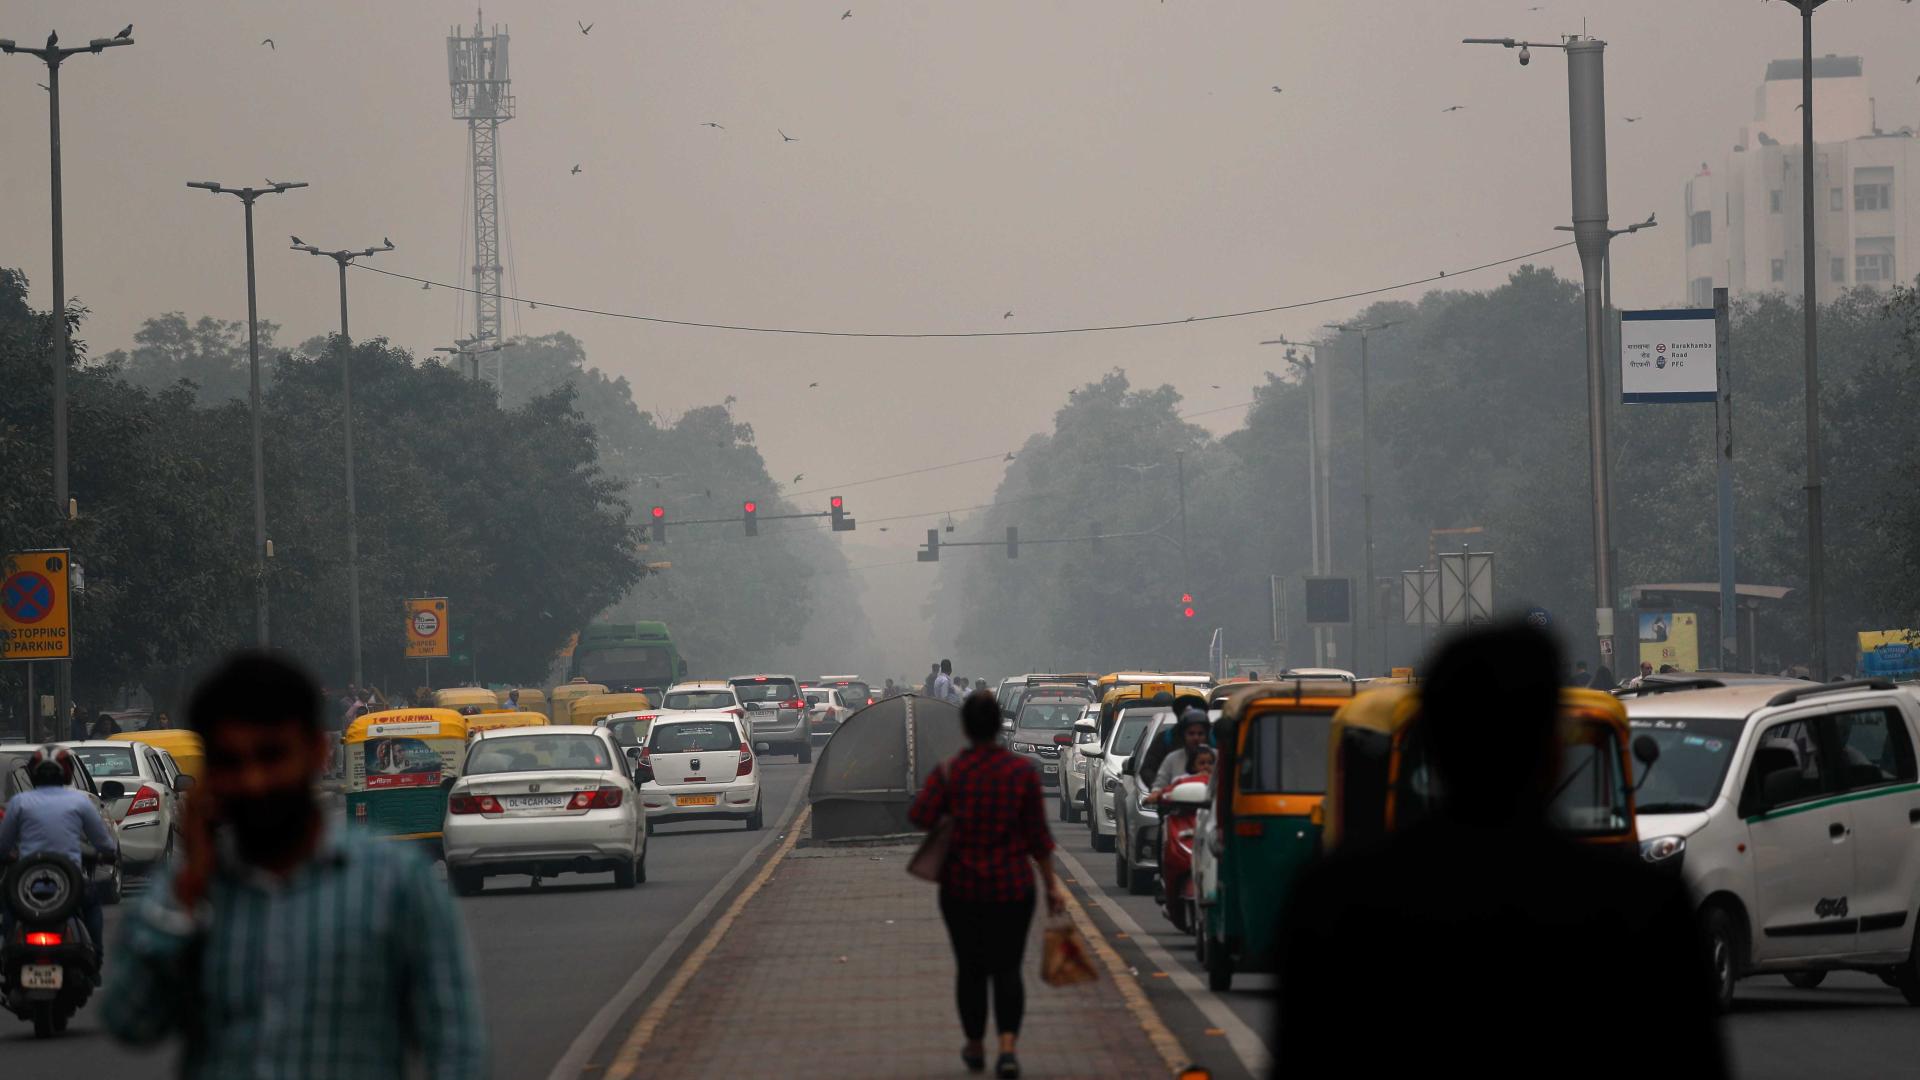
pixel 1743 216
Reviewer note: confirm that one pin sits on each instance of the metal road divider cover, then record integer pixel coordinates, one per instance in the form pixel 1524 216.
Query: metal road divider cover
pixel 868 773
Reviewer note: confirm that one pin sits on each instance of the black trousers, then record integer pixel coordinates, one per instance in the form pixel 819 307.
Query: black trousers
pixel 989 940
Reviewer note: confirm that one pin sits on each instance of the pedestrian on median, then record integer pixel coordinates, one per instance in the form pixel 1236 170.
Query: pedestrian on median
pixel 943 682
pixel 282 942
pixel 1488 918
pixel 933 679
pixel 999 824
pixel 104 727
pixel 1602 678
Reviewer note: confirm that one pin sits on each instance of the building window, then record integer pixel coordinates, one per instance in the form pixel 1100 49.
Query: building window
pixel 1873 266
pixel 1779 270
pixel 1840 271
pixel 1700 292
pixel 1836 199
pixel 1773 201
pixel 1872 197
pixel 1700 228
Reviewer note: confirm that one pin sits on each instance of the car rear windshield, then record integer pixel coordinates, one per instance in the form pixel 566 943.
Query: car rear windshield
pixel 1286 753
pixel 106 762
pixel 852 692
pixel 768 690
pixel 699 699
pixel 1049 716
pixel 538 753
pixel 629 732
pixel 694 738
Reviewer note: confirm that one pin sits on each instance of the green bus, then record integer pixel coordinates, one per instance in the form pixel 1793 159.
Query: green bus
pixel 628 658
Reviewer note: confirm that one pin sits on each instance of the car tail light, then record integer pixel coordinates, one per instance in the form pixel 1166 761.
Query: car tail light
pixel 44 937
pixel 606 798
pixel 145 801
pixel 746 760
pixel 737 713
pixel 646 754
pixel 796 703
pixel 1063 740
pixel 473 804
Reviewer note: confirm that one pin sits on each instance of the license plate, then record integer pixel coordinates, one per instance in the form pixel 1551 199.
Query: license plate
pixel 533 802
pixel 41 976
pixel 695 800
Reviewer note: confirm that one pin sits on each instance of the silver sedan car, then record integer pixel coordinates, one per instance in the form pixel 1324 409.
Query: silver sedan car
pixel 545 801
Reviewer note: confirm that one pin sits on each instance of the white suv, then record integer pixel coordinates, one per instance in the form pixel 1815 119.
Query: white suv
pixel 1103 768
pixel 1792 812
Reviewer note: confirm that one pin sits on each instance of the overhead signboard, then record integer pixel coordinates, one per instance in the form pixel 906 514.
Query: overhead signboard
pixel 35 621
pixel 1466 586
pixel 1420 596
pixel 1329 601
pixel 1667 356
pixel 427 627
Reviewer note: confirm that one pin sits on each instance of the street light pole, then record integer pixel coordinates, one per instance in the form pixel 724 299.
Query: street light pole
pixel 1816 526
pixel 341 259
pixel 52 55
pixel 1587 139
pixel 1375 626
pixel 247 195
pixel 1314 523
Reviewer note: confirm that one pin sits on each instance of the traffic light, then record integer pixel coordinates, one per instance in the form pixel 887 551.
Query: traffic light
pixel 841 522
pixel 1013 542
pixel 930 553
pixel 659 524
pixel 749 511
pixel 1186 605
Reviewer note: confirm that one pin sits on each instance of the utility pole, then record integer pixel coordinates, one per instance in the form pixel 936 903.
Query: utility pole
pixel 247 195
pixel 53 55
pixel 1587 140
pixel 1370 593
pixel 341 259
pixel 1315 510
pixel 1816 526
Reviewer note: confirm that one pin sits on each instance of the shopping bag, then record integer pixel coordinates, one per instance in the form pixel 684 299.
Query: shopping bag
pixel 1063 957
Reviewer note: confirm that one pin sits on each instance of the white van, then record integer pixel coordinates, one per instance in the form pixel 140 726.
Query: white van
pixel 1792 812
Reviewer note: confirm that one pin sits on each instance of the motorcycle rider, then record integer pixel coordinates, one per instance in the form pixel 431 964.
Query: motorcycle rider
pixel 56 816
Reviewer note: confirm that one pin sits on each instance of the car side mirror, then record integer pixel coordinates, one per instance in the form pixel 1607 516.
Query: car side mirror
pixel 1126 767
pixel 643 773
pixel 1091 750
pixel 112 789
pixel 1645 750
pixel 633 756
pixel 1006 725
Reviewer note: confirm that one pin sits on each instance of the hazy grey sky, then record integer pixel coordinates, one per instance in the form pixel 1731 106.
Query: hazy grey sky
pixel 1074 163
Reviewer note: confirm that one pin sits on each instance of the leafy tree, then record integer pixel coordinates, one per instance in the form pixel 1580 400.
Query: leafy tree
pixel 208 353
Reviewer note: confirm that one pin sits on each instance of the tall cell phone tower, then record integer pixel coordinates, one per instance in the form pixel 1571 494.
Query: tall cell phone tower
pixel 483 97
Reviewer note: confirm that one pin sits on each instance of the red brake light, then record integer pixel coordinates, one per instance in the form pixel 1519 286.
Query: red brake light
pixel 473 804
pixel 759 678
pixel 44 937
pixel 746 761
pixel 145 801
pixel 796 703
pixel 606 798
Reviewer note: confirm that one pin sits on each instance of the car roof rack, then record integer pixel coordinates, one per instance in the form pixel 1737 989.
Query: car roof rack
pixel 1788 697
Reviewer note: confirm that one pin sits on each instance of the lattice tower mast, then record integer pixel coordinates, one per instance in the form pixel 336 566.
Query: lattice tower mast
pixel 483 97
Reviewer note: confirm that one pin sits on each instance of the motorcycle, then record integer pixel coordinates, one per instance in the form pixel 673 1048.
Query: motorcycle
pixel 1178 809
pixel 48 963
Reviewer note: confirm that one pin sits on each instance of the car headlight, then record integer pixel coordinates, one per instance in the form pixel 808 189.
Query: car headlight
pixel 1661 848
pixel 1110 785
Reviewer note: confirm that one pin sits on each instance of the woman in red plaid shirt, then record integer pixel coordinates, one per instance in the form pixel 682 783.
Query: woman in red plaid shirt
pixel 986 887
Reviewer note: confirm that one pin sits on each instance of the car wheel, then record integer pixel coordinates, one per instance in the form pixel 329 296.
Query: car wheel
pixel 640 868
pixel 1907 976
pixel 623 877
pixel 1725 947
pixel 756 820
pixel 806 753
pixel 114 887
pixel 1806 980
pixel 1068 809
pixel 465 882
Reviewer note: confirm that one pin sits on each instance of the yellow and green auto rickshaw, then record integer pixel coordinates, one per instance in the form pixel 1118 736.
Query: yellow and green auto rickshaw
pixel 489 721
pixel 561 698
pixel 400 764
pixel 180 744
pixel 588 709
pixel 1263 824
pixel 1377 779
pixel 466 700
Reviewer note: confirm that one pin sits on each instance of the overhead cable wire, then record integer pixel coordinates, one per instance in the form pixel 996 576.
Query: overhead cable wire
pixel 927 334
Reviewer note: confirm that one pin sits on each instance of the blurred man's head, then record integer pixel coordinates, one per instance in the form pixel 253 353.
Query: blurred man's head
pixel 946 667
pixel 980 717
pixel 259 719
pixel 1488 710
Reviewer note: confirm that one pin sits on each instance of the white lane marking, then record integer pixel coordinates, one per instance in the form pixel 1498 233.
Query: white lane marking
pixel 1246 1043
pixel 581 1050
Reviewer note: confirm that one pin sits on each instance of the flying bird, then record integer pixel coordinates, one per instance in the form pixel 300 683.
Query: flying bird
pixel 847 14
pixel 711 124
pixel 268 42
pixel 1453 108
pixel 576 170
pixel 883 528
pixel 124 34
pixel 797 477
pixel 296 240
pixel 1277 90
pixel 1216 386
pixel 786 137
pixel 1008 315
pixel 585 28
pixel 812 385
pixel 1633 119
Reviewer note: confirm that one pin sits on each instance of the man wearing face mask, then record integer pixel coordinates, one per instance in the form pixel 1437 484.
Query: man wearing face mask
pixel 244 949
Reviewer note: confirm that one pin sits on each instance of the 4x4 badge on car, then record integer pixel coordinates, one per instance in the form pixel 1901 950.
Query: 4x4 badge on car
pixel 1831 909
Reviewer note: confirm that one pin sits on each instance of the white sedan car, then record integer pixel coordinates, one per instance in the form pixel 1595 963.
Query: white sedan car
pixel 142 789
pixel 827 709
pixel 702 770
pixel 545 801
pixel 1073 766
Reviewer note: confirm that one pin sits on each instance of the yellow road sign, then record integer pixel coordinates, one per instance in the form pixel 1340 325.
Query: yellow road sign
pixel 427 627
pixel 35 620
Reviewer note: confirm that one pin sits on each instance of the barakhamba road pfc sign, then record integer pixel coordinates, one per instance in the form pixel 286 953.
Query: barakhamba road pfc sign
pixel 1667 356
pixel 35 620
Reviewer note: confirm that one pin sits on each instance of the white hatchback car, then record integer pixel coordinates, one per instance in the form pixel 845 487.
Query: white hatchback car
pixel 545 801
pixel 826 710
pixel 147 804
pixel 701 770
pixel 717 695
pixel 1073 766
pixel 1790 812
pixel 1103 769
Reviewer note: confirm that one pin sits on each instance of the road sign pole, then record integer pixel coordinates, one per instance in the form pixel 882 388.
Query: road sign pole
pixel 1723 463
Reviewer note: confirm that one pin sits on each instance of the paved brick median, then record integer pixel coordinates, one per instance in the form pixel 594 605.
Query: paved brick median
pixel 840 967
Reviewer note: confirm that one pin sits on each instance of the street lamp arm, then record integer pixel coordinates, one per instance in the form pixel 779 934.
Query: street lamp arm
pixel 107 43
pixel 1510 43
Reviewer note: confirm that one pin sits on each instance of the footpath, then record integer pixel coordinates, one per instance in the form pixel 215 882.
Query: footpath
pixel 834 963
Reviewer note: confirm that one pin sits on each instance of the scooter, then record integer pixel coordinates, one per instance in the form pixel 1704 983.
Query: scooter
pixel 1179 808
pixel 48 964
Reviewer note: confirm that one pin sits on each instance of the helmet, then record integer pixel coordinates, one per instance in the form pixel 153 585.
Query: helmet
pixel 51 765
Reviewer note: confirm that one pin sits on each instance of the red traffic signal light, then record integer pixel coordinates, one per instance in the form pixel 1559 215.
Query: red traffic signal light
pixel 751 507
pixel 659 512
pixel 1186 605
pixel 1186 598
pixel 1188 612
pixel 836 502
pixel 750 515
